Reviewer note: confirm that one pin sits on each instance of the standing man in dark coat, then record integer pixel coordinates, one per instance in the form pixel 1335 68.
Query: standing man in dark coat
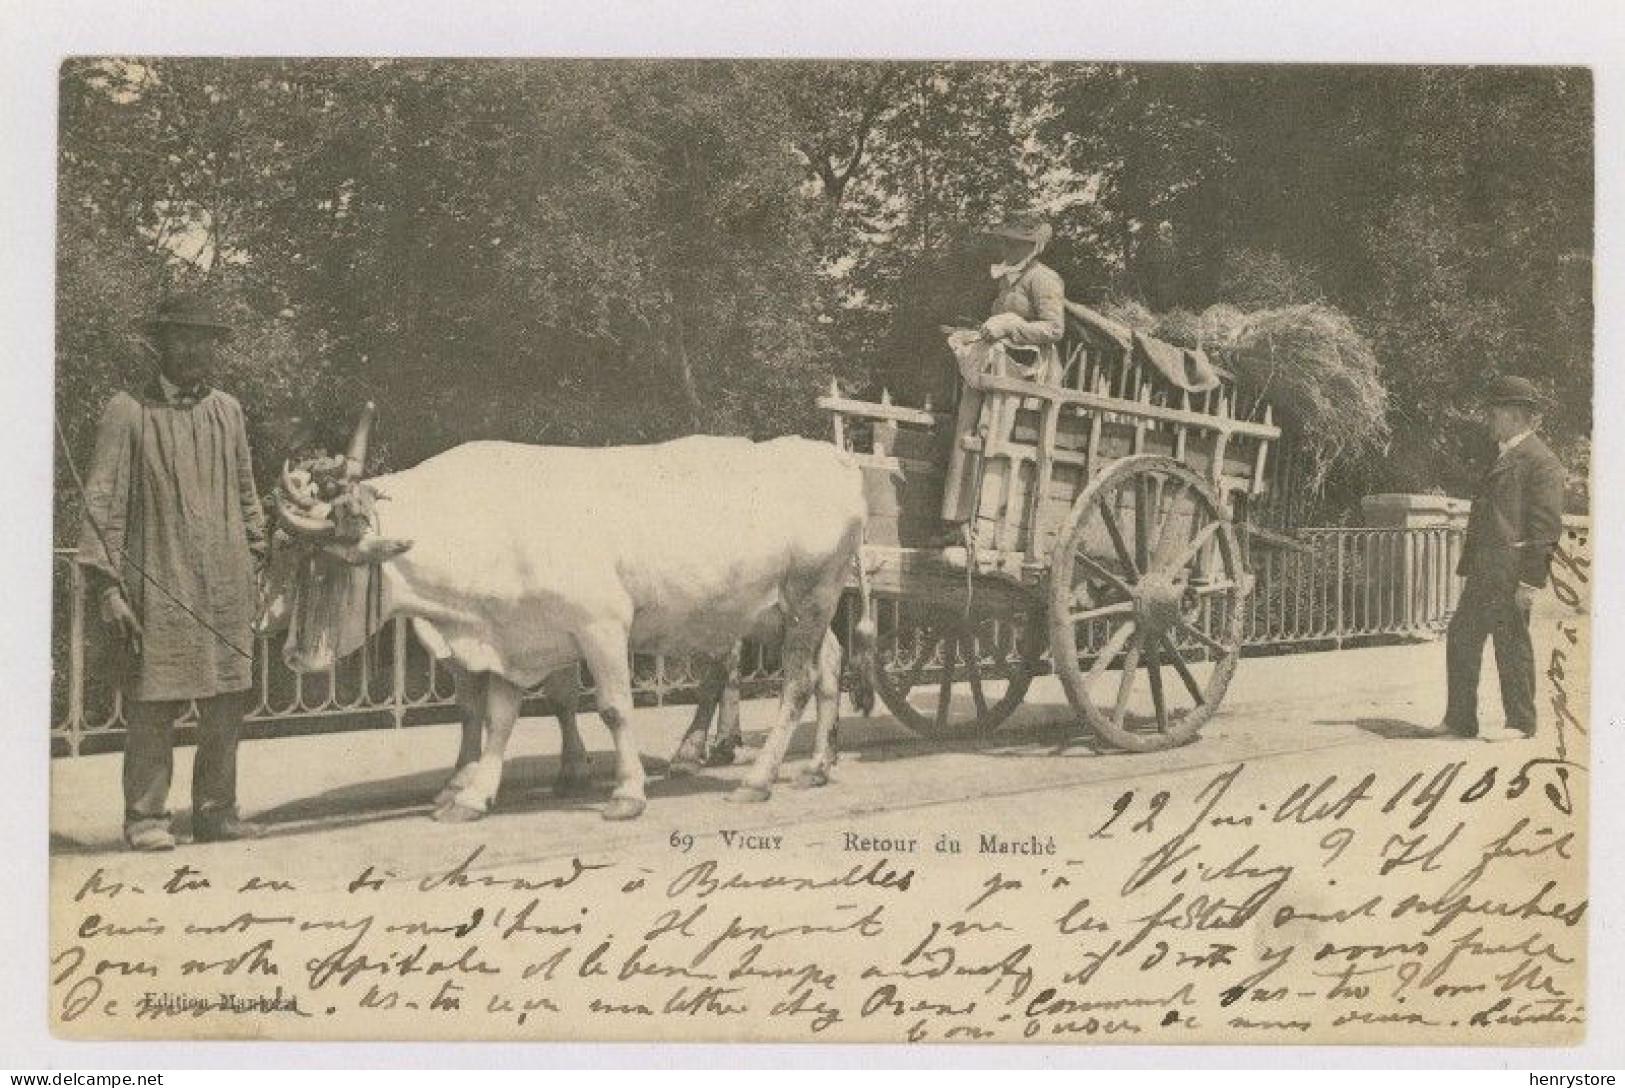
pixel 172 535
pixel 1516 522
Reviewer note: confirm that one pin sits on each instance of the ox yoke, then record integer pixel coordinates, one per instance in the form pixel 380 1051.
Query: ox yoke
pixel 687 546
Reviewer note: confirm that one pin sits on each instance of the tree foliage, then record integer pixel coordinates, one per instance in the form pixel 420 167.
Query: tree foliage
pixel 1449 210
pixel 593 252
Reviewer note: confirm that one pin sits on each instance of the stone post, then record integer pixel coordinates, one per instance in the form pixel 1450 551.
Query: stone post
pixel 1426 561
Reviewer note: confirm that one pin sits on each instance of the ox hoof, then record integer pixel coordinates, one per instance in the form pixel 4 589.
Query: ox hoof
pixel 683 767
pixel 446 796
pixel 747 795
pixel 453 813
pixel 721 755
pixel 811 778
pixel 623 808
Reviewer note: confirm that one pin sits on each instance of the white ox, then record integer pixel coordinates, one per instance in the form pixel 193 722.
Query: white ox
pixel 515 562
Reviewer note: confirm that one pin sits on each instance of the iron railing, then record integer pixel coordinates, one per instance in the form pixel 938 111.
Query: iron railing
pixel 1353 584
pixel 1349 584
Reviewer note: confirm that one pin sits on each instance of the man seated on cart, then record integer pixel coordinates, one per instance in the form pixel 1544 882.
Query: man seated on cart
pixel 1029 314
pixel 1028 320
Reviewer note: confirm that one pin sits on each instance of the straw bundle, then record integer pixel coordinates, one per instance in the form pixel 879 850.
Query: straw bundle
pixel 1319 373
pixel 1307 361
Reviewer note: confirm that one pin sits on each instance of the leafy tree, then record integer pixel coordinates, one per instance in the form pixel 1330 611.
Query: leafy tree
pixel 959 145
pixel 504 249
pixel 1447 210
pixel 489 249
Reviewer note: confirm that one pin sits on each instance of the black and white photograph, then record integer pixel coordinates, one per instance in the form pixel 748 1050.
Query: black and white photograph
pixel 753 549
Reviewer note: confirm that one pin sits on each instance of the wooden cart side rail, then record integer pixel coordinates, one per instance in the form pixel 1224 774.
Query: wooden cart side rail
pixel 888 463
pixel 1141 414
pixel 895 413
pixel 1018 473
pixel 1119 406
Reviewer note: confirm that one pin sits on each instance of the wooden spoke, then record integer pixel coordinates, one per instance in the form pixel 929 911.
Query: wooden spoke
pixel 973 669
pixel 1107 652
pixel 955 648
pixel 1105 572
pixel 1207 588
pixel 1109 519
pixel 1196 544
pixel 1153 672
pixel 1125 686
pixel 1177 660
pixel 1183 553
pixel 1142 515
pixel 946 690
pixel 1163 540
pixel 1164 515
pixel 1203 637
pixel 1116 608
pixel 922 658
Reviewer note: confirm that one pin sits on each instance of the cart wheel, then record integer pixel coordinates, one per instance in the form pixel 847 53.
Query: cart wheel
pixel 1146 573
pixel 926 651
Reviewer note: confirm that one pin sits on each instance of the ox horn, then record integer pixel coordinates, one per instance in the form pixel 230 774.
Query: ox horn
pixel 300 523
pixel 285 483
pixel 356 458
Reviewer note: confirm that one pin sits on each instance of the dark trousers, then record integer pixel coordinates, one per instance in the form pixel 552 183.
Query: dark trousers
pixel 1489 610
pixel 149 759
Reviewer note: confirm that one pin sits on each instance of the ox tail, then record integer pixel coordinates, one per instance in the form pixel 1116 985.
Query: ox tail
pixel 862 650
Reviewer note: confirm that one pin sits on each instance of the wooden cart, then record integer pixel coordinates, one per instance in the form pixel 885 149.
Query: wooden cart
pixel 1106 539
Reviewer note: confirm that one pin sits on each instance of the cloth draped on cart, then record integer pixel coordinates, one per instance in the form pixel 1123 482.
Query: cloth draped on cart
pixel 1189 369
pixel 976 358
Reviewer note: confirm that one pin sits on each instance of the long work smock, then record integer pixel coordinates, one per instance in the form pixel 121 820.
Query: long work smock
pixel 170 491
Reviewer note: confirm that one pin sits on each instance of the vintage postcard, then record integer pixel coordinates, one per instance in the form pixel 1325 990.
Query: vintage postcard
pixel 865 552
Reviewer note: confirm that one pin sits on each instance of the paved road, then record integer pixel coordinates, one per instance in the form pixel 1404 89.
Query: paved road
pixel 354 807
pixel 342 801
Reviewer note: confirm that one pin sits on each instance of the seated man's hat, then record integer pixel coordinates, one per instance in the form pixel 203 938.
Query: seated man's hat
pixel 1025 226
pixel 188 310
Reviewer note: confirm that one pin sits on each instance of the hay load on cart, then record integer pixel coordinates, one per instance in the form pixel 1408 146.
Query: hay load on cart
pixel 1100 529
pixel 1307 361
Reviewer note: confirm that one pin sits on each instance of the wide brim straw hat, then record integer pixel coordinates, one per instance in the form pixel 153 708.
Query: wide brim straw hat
pixel 1028 227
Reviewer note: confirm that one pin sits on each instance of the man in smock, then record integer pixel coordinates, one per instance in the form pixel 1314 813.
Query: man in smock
pixel 1029 311
pixel 172 535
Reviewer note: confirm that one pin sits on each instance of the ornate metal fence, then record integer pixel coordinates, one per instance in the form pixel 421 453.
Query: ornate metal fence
pixel 1351 584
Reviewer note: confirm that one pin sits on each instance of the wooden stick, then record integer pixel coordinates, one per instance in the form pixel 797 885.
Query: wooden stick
pixel 1132 408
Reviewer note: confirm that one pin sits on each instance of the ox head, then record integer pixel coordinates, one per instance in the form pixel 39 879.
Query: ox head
pixel 324 558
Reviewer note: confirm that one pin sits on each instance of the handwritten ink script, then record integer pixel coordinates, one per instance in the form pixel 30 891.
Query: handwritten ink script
pixel 1428 901
pixel 1418 891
